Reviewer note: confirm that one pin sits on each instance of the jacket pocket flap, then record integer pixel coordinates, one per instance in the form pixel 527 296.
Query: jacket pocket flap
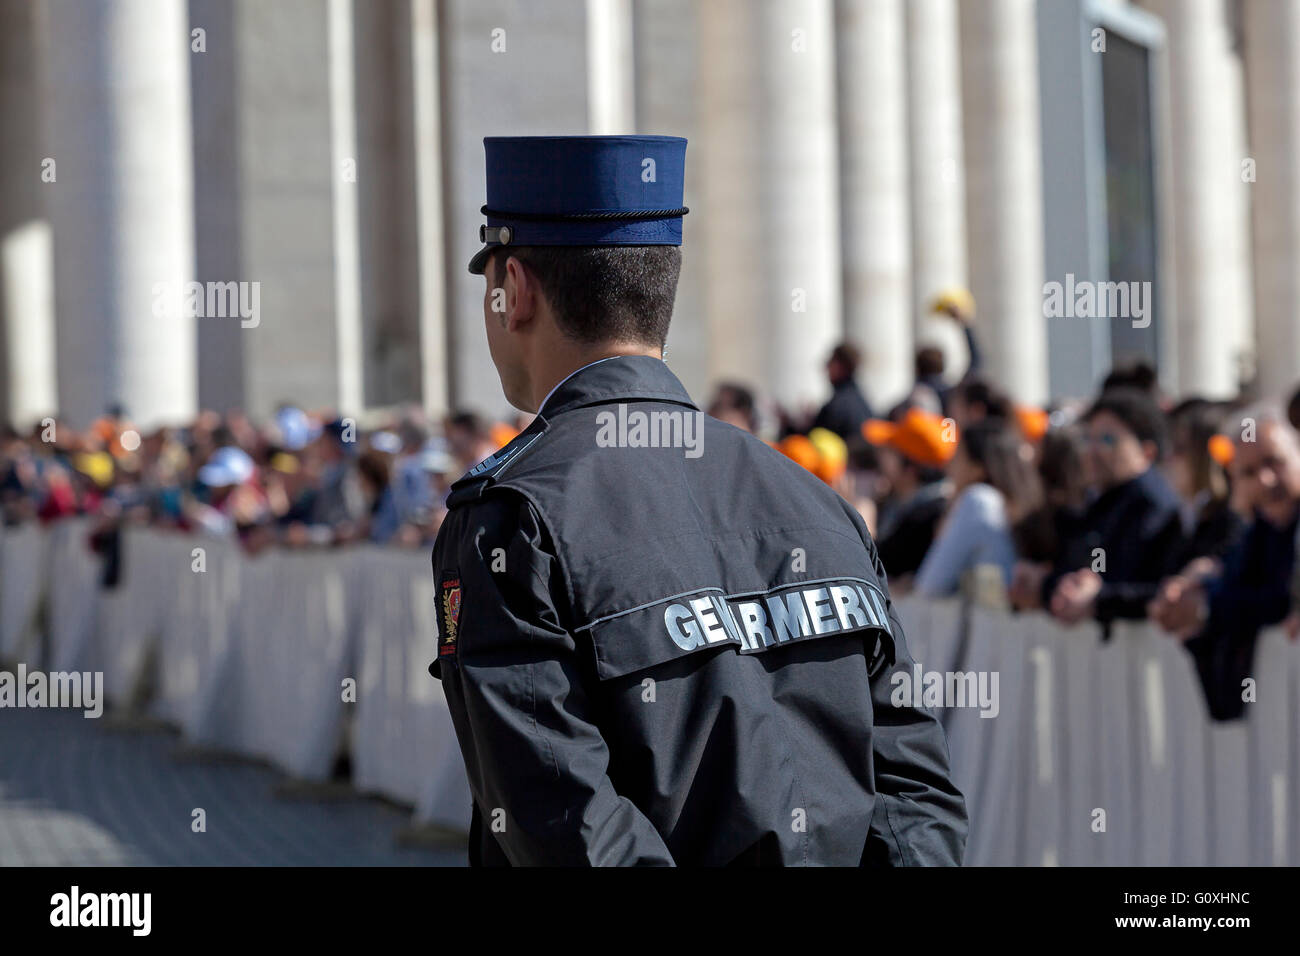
pixel 755 621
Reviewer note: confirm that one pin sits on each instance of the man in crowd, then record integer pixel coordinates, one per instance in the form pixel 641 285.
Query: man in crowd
pixel 912 453
pixel 1218 613
pixel 1131 530
pixel 847 407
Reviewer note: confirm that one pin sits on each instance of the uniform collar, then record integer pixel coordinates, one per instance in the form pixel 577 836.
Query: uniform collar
pixel 569 376
pixel 626 377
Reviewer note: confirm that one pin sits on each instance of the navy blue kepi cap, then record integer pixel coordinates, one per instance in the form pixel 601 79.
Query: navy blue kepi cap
pixel 582 191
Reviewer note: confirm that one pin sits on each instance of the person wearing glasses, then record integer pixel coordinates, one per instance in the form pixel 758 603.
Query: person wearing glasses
pixel 1131 531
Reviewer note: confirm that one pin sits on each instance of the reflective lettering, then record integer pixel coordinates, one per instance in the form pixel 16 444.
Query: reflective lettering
pixel 789 616
pixel 682 627
pixel 821 609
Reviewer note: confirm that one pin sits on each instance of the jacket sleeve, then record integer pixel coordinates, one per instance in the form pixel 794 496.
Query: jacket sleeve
pixel 536 761
pixel 1129 599
pixel 920 815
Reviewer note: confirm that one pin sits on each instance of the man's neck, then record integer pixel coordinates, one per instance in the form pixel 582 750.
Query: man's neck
pixel 556 372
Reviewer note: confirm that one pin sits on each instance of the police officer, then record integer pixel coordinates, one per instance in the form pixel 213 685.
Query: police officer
pixel 661 641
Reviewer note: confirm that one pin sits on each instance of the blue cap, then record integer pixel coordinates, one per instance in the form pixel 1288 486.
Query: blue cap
pixel 228 465
pixel 582 191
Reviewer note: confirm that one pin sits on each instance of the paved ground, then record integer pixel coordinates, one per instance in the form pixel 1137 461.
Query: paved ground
pixel 76 792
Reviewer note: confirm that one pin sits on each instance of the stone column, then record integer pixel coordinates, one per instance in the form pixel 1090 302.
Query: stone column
pixel 508 69
pixel 213 97
pixel 116 95
pixel 875 226
pixel 1211 225
pixel 386 40
pixel 1272 54
pixel 1004 207
pixel 431 239
pixel 937 175
pixel 771 190
pixel 667 60
pixel 611 76
pixel 28 387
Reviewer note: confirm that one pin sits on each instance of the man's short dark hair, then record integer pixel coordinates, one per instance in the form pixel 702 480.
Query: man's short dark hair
pixel 468 421
pixel 977 391
pixel 929 361
pixel 734 397
pixel 1136 410
pixel 848 355
pixel 603 293
pixel 1138 373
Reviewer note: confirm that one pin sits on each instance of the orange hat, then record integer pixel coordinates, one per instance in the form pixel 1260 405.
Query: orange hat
pixel 501 434
pixel 1032 421
pixel 1221 449
pixel 800 450
pixel 921 437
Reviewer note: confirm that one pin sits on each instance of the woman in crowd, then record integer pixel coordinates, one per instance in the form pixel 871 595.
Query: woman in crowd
pixel 995 486
pixel 1210 526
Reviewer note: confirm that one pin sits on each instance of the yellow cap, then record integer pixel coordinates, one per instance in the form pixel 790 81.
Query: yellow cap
pixel 97 466
pixel 956 301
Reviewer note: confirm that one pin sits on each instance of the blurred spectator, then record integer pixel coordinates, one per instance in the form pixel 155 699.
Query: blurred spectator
pixel 847 408
pixel 340 503
pixel 930 389
pixel 1210 526
pixel 912 453
pixel 994 485
pixel 1131 531
pixel 959 305
pixel 375 467
pixel 469 439
pixel 1137 374
pixel 975 400
pixel 232 501
pixel 734 404
pixel 1218 614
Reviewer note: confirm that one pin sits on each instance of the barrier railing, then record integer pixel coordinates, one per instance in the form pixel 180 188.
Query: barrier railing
pixel 1099 753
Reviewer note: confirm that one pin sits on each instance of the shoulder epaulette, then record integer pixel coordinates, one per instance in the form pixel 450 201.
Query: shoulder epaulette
pixel 479 478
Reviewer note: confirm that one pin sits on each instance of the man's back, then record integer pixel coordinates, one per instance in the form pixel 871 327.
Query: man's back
pixel 677 654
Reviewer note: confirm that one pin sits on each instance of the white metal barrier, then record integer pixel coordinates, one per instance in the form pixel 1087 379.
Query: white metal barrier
pixel 1100 753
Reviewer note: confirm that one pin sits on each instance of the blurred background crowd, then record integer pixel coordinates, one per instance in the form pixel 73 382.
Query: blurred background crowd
pixel 1129 504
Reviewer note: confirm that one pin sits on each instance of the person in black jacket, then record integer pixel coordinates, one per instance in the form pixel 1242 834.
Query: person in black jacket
pixel 1218 615
pixel 847 409
pixel 1131 534
pixel 661 642
pixel 912 451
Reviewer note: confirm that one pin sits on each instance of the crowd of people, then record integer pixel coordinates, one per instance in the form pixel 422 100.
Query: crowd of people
pixel 299 480
pixel 1131 505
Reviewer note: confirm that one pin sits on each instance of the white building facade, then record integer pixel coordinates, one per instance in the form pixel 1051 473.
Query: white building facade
pixel 848 159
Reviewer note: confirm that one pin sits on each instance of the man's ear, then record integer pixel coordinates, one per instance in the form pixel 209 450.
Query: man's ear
pixel 521 293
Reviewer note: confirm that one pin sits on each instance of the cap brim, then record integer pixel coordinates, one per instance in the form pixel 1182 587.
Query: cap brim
pixel 479 262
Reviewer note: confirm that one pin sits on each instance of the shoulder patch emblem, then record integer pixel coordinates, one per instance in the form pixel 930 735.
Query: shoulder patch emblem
pixel 449 606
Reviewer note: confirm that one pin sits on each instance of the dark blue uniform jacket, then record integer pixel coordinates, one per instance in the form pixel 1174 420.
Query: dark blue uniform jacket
pixel 662 642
